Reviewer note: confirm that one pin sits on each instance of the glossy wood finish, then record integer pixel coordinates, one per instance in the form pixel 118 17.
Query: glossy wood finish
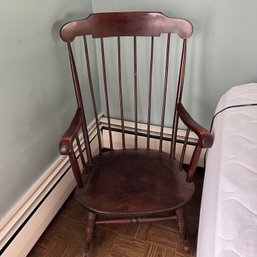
pixel 121 94
pixel 178 99
pixel 135 90
pixel 150 93
pixel 90 230
pixel 165 87
pixel 106 93
pixel 136 185
pixel 82 117
pixel 120 24
pixel 92 91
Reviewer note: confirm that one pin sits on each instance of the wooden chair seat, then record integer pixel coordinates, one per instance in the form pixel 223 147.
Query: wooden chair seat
pixel 135 182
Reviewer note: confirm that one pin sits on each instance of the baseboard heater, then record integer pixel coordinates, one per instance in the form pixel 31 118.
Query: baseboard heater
pixel 24 232
pixel 26 221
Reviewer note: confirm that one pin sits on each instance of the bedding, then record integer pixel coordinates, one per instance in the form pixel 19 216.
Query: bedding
pixel 228 216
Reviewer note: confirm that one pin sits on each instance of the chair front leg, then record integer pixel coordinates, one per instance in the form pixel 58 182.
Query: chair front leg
pixel 89 232
pixel 182 228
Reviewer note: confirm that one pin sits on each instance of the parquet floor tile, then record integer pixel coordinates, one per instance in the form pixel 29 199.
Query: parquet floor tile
pixel 65 235
pixel 163 236
pixel 103 242
pixel 126 246
pixel 158 251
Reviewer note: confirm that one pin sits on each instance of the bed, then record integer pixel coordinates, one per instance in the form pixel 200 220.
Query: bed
pixel 228 217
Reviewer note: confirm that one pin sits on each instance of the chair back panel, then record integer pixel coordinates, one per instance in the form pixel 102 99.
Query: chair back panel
pixel 120 26
pixel 126 24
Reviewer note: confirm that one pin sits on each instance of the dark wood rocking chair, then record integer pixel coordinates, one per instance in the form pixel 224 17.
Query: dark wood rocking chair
pixel 131 185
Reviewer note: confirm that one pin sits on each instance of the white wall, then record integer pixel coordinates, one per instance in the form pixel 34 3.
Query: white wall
pixel 222 52
pixel 37 98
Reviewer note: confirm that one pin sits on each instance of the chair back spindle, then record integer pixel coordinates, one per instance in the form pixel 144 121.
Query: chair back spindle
pixel 76 169
pixel 121 94
pixel 165 90
pixel 184 149
pixel 81 152
pixel 135 89
pixel 150 93
pixel 92 92
pixel 79 102
pixel 106 93
pixel 178 100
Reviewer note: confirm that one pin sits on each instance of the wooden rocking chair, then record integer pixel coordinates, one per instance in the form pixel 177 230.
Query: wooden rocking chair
pixel 140 184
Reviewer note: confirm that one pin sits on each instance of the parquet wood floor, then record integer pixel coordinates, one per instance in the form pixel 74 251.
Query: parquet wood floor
pixel 65 235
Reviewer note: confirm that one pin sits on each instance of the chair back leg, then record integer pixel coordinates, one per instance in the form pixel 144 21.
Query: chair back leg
pixel 182 228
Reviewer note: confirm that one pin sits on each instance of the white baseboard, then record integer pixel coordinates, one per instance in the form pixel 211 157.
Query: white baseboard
pixel 24 224
pixel 30 233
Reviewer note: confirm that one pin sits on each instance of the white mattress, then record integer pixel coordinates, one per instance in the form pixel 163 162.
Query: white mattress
pixel 228 217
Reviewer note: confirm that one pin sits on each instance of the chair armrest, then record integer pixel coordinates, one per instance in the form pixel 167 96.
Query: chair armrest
pixel 65 145
pixel 205 137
